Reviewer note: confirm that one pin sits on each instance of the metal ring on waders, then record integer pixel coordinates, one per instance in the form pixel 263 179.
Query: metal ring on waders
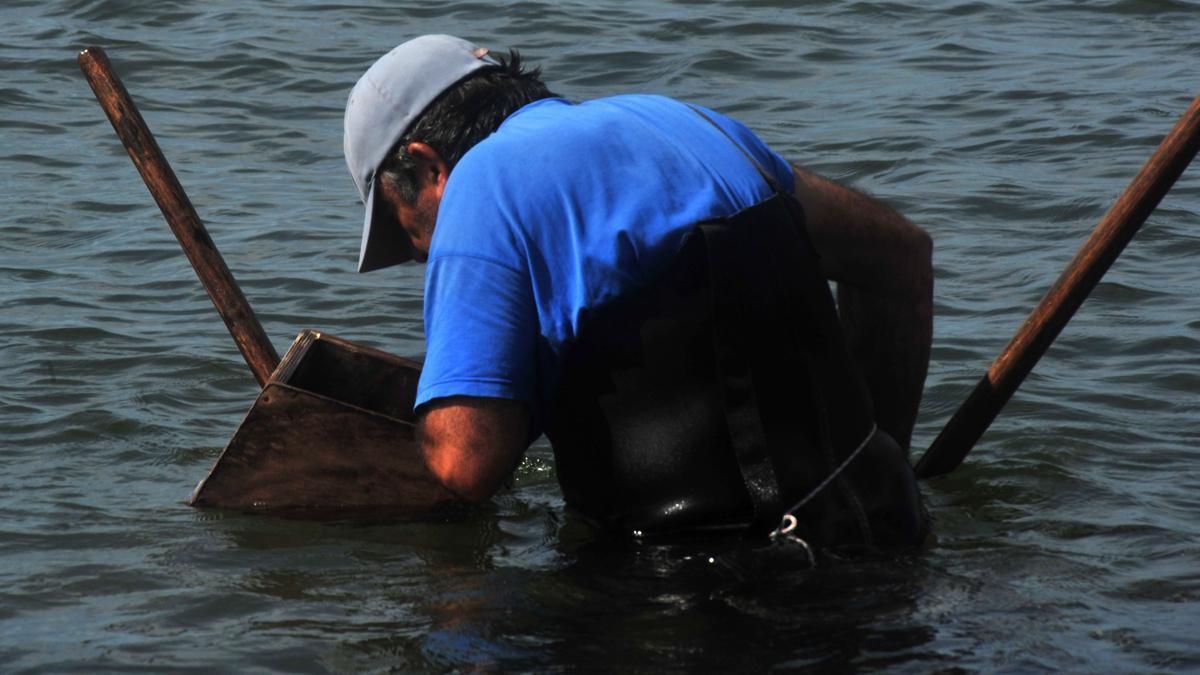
pixel 786 526
pixel 788 523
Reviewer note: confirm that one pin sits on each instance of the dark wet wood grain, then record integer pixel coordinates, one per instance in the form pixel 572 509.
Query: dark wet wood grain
pixel 308 443
pixel 299 450
pixel 160 179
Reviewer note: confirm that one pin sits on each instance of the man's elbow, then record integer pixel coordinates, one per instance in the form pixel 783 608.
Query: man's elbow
pixel 922 244
pixel 472 444
pixel 455 470
pixel 912 240
pixel 921 250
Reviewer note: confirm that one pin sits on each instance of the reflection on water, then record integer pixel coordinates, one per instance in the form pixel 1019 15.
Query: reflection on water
pixel 1068 540
pixel 467 592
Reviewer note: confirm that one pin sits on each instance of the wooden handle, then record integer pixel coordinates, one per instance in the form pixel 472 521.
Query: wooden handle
pixel 260 355
pixel 1106 242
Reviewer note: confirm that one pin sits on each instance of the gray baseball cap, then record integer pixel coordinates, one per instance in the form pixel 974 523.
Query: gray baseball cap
pixel 384 103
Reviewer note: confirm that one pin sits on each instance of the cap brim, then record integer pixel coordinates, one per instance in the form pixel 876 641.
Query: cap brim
pixel 383 243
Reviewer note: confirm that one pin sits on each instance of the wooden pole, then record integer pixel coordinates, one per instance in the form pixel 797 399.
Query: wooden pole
pixel 247 332
pixel 1106 242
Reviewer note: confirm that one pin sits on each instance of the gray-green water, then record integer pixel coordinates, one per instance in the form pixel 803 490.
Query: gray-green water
pixel 1070 540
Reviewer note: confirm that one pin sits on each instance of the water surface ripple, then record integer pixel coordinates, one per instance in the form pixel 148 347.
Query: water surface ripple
pixel 1069 541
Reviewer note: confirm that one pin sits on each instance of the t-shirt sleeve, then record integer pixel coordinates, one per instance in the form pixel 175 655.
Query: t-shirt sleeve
pixel 480 331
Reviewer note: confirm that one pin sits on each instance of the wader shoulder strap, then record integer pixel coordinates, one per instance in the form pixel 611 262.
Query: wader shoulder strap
pixel 758 271
pixel 732 285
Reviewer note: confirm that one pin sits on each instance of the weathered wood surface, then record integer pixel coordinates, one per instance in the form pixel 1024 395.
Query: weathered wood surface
pixel 260 355
pixel 352 373
pixel 332 427
pixel 298 450
pixel 1094 258
pixel 310 443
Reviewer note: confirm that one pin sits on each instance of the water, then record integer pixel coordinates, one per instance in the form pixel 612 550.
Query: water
pixel 1069 541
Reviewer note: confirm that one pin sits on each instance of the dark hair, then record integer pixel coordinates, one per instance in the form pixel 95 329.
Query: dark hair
pixel 463 115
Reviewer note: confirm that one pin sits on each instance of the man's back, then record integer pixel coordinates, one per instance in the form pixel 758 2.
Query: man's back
pixel 563 209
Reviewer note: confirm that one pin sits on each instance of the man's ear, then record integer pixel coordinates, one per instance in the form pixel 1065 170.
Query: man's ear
pixel 430 165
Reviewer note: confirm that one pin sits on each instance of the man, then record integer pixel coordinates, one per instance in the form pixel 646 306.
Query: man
pixel 644 281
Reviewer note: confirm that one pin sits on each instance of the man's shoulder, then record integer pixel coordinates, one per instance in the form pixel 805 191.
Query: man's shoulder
pixel 552 136
pixel 555 124
pixel 548 143
pixel 612 159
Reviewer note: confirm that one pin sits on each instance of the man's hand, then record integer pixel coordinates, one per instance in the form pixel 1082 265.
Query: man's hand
pixel 472 444
pixel 883 265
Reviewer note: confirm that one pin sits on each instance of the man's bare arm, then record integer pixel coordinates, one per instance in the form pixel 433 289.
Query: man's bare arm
pixel 883 265
pixel 472 444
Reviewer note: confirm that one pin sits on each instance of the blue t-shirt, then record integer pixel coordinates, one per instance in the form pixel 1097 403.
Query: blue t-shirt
pixel 565 207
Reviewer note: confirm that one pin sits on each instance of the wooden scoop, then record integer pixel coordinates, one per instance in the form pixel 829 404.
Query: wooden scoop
pixel 332 428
